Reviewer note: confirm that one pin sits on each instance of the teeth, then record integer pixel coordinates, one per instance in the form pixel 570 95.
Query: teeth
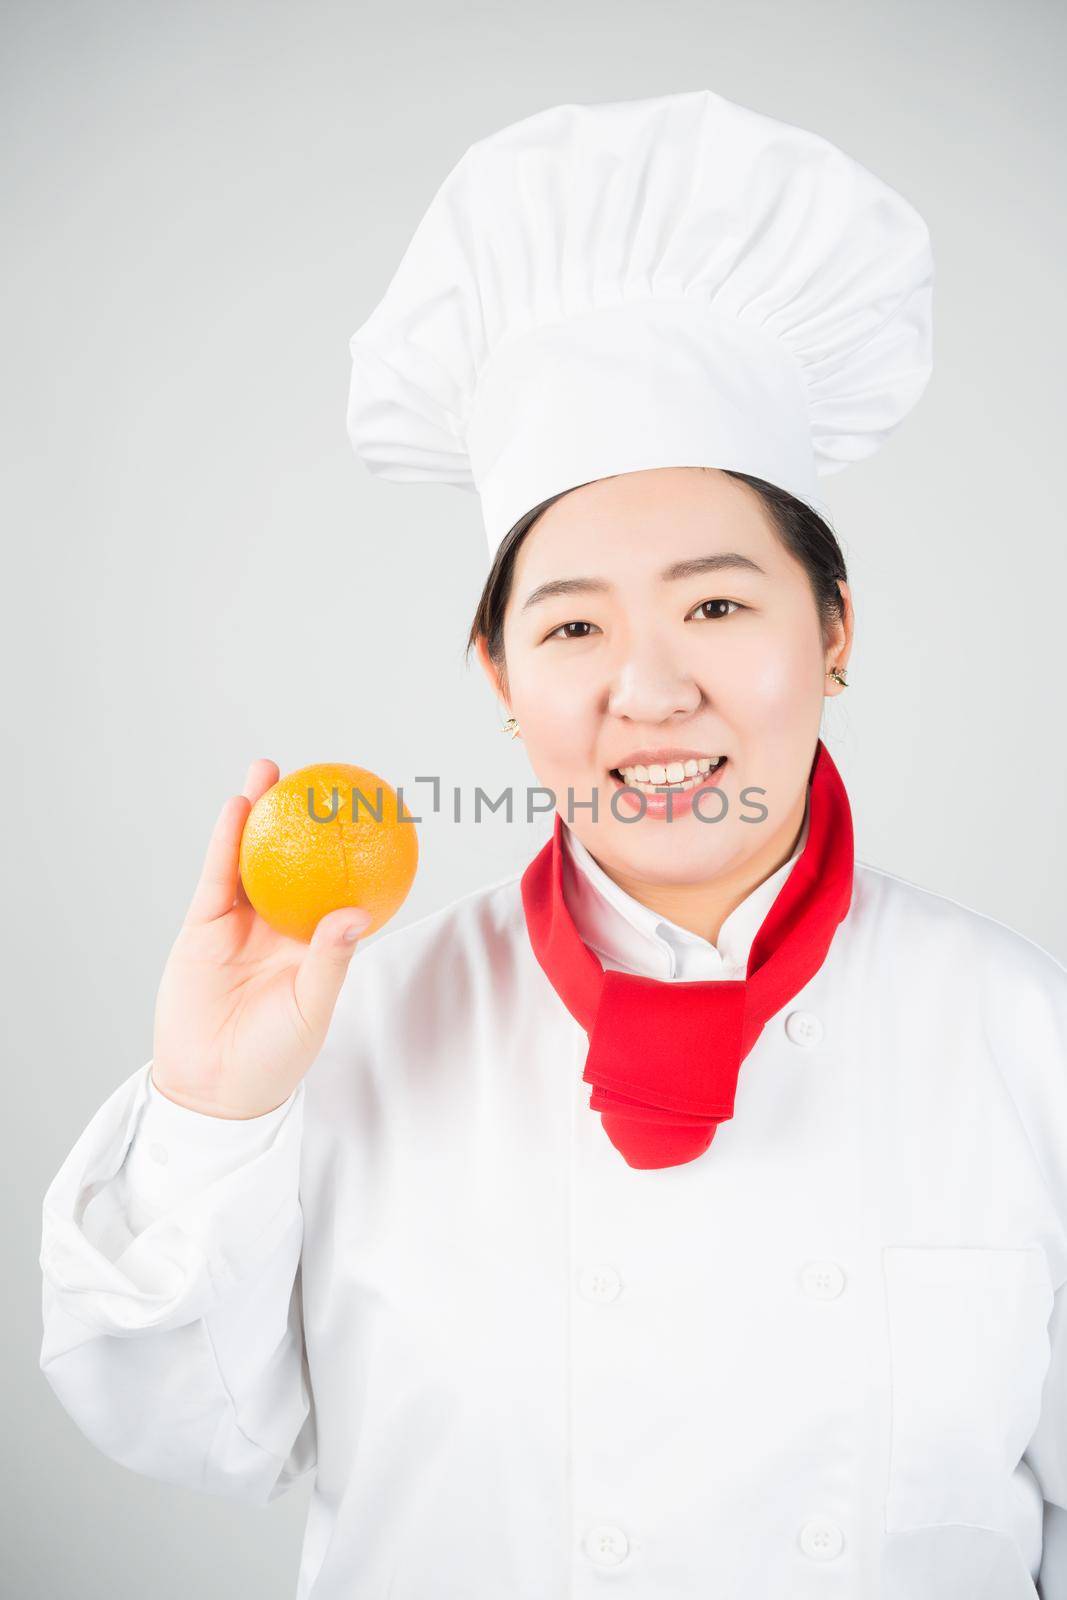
pixel 684 774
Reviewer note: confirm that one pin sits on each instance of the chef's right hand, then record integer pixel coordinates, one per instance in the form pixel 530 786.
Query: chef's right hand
pixel 242 1011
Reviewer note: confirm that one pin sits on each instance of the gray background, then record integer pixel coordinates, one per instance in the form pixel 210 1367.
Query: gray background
pixel 202 203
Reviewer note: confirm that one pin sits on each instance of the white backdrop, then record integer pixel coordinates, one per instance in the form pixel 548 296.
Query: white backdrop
pixel 203 201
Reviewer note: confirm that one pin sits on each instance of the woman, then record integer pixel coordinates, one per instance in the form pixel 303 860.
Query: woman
pixel 785 1310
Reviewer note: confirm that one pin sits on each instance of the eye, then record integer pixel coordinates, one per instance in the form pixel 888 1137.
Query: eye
pixel 558 633
pixel 735 603
pixel 561 631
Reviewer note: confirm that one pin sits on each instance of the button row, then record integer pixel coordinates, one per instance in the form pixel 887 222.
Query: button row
pixel 823 1280
pixel 606 1545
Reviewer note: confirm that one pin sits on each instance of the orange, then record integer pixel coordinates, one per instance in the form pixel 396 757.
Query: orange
pixel 296 868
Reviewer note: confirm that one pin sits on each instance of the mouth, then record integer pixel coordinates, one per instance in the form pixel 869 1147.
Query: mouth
pixel 678 784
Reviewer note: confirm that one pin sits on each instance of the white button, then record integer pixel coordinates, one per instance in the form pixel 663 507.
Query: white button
pixel 158 1152
pixel 821 1539
pixel 823 1279
pixel 803 1028
pixel 605 1545
pixel 600 1283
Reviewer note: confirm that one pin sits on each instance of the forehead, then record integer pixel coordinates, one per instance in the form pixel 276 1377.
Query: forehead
pixel 639 522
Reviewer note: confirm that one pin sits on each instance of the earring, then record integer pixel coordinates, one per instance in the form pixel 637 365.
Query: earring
pixel 838 676
pixel 510 726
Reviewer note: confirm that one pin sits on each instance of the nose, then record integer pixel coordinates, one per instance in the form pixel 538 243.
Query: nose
pixel 650 686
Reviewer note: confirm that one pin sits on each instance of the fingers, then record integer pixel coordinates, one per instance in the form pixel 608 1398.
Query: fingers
pixel 261 776
pixel 219 884
pixel 215 891
pixel 322 971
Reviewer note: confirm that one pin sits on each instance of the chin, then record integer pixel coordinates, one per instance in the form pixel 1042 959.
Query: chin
pixel 680 852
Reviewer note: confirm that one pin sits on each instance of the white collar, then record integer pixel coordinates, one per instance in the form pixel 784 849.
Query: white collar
pixel 630 936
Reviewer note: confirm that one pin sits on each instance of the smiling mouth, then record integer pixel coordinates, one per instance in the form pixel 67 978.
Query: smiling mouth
pixel 693 782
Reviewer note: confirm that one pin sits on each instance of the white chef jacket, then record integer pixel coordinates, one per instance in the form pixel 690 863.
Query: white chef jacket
pixel 826 1358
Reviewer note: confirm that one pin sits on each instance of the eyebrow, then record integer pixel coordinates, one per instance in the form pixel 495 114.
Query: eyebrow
pixel 678 569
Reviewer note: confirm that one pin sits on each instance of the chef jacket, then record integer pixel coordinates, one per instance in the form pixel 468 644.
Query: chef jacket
pixel 827 1358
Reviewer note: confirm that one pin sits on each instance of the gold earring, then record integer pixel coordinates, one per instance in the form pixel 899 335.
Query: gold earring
pixel 510 726
pixel 838 676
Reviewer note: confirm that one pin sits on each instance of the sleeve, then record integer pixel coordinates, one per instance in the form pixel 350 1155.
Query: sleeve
pixel 1024 1003
pixel 171 1304
pixel 1046 1455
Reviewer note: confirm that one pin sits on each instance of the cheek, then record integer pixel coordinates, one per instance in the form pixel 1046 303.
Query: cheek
pixel 556 718
pixel 773 682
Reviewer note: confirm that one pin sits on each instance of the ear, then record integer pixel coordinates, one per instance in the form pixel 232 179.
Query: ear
pixel 840 646
pixel 494 677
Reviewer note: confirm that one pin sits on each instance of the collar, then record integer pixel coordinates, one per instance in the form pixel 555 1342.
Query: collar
pixel 631 937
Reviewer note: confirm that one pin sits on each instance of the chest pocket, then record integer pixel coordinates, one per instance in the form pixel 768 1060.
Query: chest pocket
pixel 969 1349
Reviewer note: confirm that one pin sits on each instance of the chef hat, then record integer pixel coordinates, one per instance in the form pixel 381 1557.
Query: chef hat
pixel 675 281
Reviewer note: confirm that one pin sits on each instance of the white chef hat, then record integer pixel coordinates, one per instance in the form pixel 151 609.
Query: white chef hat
pixel 675 281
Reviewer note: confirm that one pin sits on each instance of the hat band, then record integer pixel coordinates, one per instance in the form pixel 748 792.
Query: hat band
pixel 624 388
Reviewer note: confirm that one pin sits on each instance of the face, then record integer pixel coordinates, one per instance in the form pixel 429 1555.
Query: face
pixel 622 657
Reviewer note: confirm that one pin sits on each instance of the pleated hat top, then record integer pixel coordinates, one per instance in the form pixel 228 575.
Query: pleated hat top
pixel 672 281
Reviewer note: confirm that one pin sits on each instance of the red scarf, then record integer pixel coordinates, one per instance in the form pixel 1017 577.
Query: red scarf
pixel 664 1058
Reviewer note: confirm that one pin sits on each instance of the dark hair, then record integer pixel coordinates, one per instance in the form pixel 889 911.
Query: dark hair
pixel 805 534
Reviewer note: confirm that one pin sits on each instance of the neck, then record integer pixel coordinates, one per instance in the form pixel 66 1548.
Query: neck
pixel 703 907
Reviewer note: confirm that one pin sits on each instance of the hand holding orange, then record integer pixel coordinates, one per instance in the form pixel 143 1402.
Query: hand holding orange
pixel 323 837
pixel 257 969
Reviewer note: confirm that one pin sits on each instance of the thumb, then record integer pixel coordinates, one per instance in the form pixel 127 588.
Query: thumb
pixel 322 971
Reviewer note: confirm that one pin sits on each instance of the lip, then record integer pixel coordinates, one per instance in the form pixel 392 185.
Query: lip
pixel 681 801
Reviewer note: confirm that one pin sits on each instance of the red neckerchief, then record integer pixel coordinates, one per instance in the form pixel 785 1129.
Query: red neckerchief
pixel 664 1057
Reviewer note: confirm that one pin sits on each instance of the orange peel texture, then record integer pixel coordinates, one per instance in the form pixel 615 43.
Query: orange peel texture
pixel 295 869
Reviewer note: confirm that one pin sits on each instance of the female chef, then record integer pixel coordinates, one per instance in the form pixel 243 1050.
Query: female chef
pixel 686 1212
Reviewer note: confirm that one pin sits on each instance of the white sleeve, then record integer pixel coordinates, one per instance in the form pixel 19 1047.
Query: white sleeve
pixel 1046 1454
pixel 171 1304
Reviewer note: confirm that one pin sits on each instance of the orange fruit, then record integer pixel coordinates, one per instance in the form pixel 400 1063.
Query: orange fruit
pixel 295 867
